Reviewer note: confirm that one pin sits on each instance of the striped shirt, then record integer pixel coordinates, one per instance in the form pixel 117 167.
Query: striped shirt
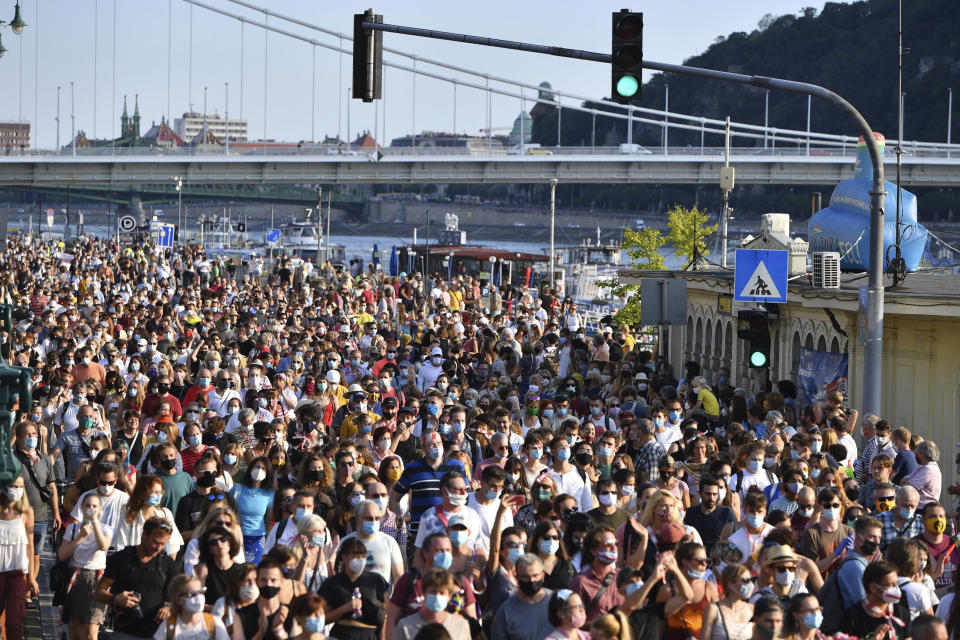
pixel 890 530
pixel 423 483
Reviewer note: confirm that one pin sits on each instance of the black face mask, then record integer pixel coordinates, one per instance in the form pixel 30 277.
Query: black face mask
pixel 868 548
pixel 168 464
pixel 852 493
pixel 315 475
pixel 584 458
pixel 206 480
pixel 527 587
pixel 269 592
pixel 162 388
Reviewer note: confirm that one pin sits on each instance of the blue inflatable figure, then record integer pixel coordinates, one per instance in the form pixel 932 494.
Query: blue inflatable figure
pixel 844 226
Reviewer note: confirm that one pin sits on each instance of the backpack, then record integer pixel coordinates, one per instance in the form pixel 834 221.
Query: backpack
pixel 207 618
pixel 831 600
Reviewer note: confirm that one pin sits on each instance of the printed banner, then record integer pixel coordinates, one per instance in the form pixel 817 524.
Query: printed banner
pixel 821 373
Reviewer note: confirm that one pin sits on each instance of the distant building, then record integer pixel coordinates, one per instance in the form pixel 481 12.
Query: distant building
pixel 522 126
pixel 161 135
pixel 14 136
pixel 191 124
pixel 364 141
pixel 432 139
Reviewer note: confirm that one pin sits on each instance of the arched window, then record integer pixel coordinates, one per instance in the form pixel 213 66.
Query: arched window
pixel 689 333
pixel 795 353
pixel 834 346
pixel 821 344
pixel 698 339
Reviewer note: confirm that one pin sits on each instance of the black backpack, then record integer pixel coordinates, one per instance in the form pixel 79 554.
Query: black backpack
pixel 831 601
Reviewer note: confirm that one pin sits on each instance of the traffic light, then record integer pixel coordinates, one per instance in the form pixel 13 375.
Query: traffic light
pixel 367 58
pixel 627 56
pixel 758 335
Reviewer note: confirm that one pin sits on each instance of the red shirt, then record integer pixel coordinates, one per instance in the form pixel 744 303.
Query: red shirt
pixel 190 457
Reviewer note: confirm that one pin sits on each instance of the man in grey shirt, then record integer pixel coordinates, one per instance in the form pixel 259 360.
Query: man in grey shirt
pixel 524 616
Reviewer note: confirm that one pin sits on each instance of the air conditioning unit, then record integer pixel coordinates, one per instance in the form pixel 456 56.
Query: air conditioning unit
pixel 826 270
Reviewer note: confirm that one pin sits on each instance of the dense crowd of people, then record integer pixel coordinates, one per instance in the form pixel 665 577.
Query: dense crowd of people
pixel 238 451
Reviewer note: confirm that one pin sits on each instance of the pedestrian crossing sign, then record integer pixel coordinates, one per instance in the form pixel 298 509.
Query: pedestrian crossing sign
pixel 760 276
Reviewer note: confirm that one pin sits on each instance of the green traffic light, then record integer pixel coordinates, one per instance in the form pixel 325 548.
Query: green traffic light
pixel 758 359
pixel 628 86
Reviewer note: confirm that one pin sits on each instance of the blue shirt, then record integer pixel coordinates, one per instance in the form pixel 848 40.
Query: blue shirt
pixel 903 465
pixel 423 481
pixel 252 505
pixel 850 579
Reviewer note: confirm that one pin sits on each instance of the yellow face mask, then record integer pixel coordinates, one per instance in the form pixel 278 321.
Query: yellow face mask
pixel 393 475
pixel 937 524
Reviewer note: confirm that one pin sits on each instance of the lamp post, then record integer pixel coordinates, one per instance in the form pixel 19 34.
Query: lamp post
pixel 553 209
pixel 179 187
pixel 16 25
pixel 58 120
pixel 766 117
pixel 226 117
pixel 73 123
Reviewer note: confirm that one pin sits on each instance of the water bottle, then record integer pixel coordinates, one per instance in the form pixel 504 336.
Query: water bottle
pixel 357 605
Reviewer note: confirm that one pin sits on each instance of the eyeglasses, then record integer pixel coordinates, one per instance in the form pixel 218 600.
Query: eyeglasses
pixel 215 496
pixel 346 465
pixel 885 498
pixel 213 541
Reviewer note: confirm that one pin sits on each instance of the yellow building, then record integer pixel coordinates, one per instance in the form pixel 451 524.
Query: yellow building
pixel 921 346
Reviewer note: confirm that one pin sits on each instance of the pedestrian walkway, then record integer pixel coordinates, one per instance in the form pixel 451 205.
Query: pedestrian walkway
pixel 43 623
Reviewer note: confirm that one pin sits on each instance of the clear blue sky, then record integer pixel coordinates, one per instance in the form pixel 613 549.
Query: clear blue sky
pixel 75 40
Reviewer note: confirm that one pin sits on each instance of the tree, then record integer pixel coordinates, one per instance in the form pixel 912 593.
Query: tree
pixel 688 232
pixel 643 248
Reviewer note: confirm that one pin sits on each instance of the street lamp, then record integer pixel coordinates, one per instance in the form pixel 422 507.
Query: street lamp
pixel 179 187
pixel 16 25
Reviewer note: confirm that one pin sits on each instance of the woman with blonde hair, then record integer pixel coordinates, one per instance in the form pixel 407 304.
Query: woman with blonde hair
pixel 85 546
pixel 662 509
pixel 187 615
pixel 610 626
pixel 219 516
pixel 729 617
pixel 16 556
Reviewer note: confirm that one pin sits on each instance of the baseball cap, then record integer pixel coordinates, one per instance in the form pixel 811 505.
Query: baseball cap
pixel 671 533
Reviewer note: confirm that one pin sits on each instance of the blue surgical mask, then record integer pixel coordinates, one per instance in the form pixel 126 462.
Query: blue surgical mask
pixel 674 416
pixel 514 555
pixel 562 411
pixel 30 443
pixel 696 575
pixel 755 520
pixel 315 624
pixel 606 452
pixel 659 422
pixel 535 453
pixel 443 560
pixel 493 495
pixel 563 454
pixel 813 620
pixel 435 602
pixel 370 528
pixel 548 413
pixel 458 537
pixel 549 547
pixel 906 514
pixel 154 500
pixel 432 409
pixel 301 513
pixel 318 540
pixel 814 473
pixel 459 427
pixel 754 466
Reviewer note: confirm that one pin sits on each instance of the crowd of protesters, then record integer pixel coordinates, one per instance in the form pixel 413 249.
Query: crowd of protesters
pixel 313 452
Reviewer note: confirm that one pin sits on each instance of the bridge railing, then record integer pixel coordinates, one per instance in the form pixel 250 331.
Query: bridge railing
pixel 531 152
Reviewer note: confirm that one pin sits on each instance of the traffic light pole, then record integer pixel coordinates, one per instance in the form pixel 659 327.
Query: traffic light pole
pixel 873 353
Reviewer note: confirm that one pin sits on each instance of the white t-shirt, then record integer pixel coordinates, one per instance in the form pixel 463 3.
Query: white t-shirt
pixel 918 598
pixel 851 446
pixel 430 522
pixel 488 513
pixel 382 553
pixel 193 632
pixel 87 554
pixel 112 507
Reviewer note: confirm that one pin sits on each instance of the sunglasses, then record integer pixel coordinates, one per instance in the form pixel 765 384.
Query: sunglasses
pixel 213 541
pixel 215 496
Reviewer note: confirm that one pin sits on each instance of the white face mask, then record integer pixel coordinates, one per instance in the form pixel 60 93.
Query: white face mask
pixel 258 474
pixel 14 493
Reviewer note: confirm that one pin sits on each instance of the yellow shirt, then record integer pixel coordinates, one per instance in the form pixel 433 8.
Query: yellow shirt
pixel 456 297
pixel 629 342
pixel 348 428
pixel 708 402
